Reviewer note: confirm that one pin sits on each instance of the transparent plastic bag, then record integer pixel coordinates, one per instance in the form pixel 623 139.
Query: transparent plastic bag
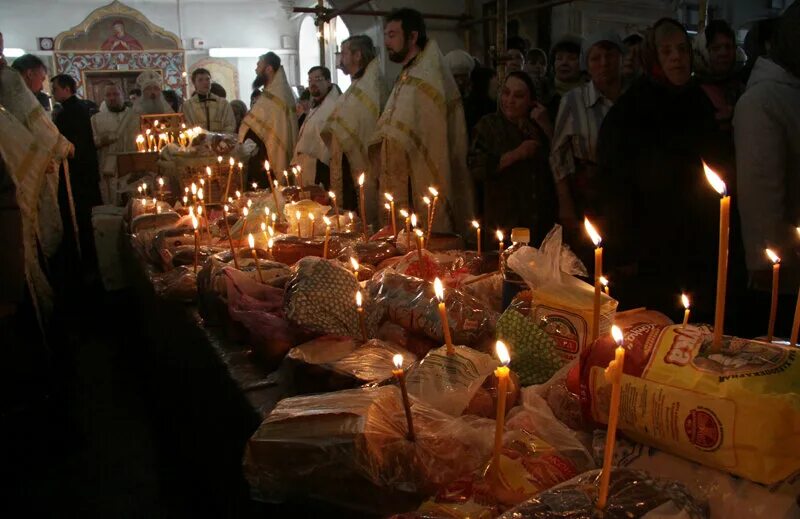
pixel 306 208
pixel 178 284
pixel 350 448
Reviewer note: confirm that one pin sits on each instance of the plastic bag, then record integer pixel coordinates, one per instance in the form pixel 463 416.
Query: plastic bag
pixel 438 242
pixel 411 303
pixel 350 448
pixel 179 284
pixel 369 253
pixel 290 249
pixel 631 494
pixel 736 410
pixel 563 301
pixel 308 227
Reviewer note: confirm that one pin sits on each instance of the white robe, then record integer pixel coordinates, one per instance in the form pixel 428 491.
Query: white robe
pixel 310 146
pixel 108 125
pixel 220 114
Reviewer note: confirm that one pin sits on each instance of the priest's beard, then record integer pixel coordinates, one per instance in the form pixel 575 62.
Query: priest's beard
pixel 399 56
pixel 153 106
pixel 259 82
pixel 115 109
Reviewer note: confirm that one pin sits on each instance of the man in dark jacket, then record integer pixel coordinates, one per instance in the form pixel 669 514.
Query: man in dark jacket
pixel 74 122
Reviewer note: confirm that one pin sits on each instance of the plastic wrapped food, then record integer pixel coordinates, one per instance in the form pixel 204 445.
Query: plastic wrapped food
pixel 179 284
pixel 561 394
pixel 488 289
pixel 164 220
pixel 184 255
pixel 426 268
pixel 411 303
pixel 736 410
pixel 211 277
pixel 631 494
pixel 306 208
pixel 534 357
pixel 370 253
pixel 350 448
pixel 557 299
pixel 438 242
pixel 332 363
pixel 416 343
pixel 290 249
pixel 321 297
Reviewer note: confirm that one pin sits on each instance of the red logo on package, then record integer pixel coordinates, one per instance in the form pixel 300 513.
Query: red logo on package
pixel 703 429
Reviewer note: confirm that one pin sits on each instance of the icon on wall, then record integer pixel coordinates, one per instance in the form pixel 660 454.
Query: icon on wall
pixel 119 39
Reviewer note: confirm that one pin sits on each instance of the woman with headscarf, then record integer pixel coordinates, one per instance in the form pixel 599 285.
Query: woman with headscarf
pixel 659 216
pixel 508 161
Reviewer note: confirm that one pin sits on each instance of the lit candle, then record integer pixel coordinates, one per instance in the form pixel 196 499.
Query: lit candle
pixel 219 166
pixel 311 219
pixel 270 243
pixel 201 197
pixel 502 373
pixel 161 188
pixel 254 185
pixel 407 220
pixel 686 309
pixel 439 290
pixel 275 195
pixel 361 178
pixel 420 246
pixel 360 312
pixel 238 195
pixel 604 282
pixel 399 374
pixel 388 210
pixel 230 176
pixel 149 138
pixel 195 223
pixel 477 227
pixel 139 189
pixel 613 375
pixel 252 243
pixel 332 196
pixel 598 271
pixel 158 209
pixel 427 203
pixel 286 176
pixel 390 198
pixel 194 192
pixel 140 142
pixel 500 238
pixel 241 175
pixel 144 188
pixel 185 201
pixel 264 231
pixel 298 178
pixel 773 308
pixel 297 216
pixel 355 265
pixel 722 260
pixel 435 194
pixel 327 236
pixel 351 217
pixel 796 322
pixel 245 213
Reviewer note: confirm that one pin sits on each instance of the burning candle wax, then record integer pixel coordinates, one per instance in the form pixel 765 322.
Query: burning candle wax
pixel 399 374
pixel 252 242
pixel 502 373
pixel 477 227
pixel 613 375
pixel 598 271
pixel 722 259
pixel 438 288
pixel 360 311
pixel 773 309
pixel 361 179
pixel 686 309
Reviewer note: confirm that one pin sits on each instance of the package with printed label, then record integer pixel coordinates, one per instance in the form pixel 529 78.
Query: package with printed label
pixel 737 410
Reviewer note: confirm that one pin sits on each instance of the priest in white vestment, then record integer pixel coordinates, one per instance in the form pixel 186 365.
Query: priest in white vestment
pixel 207 110
pixel 109 127
pixel 311 153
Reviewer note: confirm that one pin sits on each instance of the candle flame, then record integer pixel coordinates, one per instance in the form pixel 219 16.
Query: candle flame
pixel 230 161
pixel 311 217
pixel 144 186
pixel 194 188
pixel 616 333
pixel 398 361
pixel 185 200
pixel 426 200
pixel 438 289
pixel 263 227
pixel 593 234
pixel 200 194
pixel 191 209
pixel 432 190
pixel 255 186
pixel 161 181
pixel 275 183
pixel 714 180
pixel 772 256
pixel 476 224
pixel 359 300
pixel 266 211
pixel 388 197
pixel 326 220
pixel 139 189
pixel 225 208
pixel 387 207
pixel 240 165
pixel 266 165
pixel 685 301
pixel 502 353
pixel 285 173
pixel 419 233
pixel 155 123
pixel 414 220
pixel 245 211
pixel 147 131
pixel 144 202
pixel 274 217
pixel 238 194
pixel 270 243
pixel 332 195
pixel 297 215
pixel 403 213
pixel 251 241
pixel 361 178
pixel 202 182
pixel 604 281
pixel 194 222
pixel 499 234
pixel 354 263
pixel 219 158
pixel 140 139
pixel 249 203
pixel 208 170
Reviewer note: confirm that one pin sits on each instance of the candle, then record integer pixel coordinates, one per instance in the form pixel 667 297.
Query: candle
pixel 230 176
pixel 275 195
pixel 144 188
pixel 604 283
pixel 351 218
pixel 407 221
pixel 722 259
pixel 598 271
pixel 270 243
pixel 435 194
pixel 427 203
pixel 311 219
pixel 140 142
pixel 252 243
pixel 390 198
pixel 439 290
pixel 502 373
pixel 286 176
pixel 686 310
pixel 298 177
pixel 194 192
pixel 245 212
pixel 238 195
pixel 360 311
pixel 388 211
pixel 327 236
pixel 161 188
pixel 796 322
pixel 477 227
pixel 332 195
pixel 200 197
pixel 264 231
pixel 500 237
pixel 149 139
pixel 773 308
pixel 241 175
pixel 195 223
pixel 185 200
pixel 613 375
pixel 297 216
pixel 399 374
pixel 139 189
pixel 254 185
pixel 361 178
pixel 355 265
pixel 420 246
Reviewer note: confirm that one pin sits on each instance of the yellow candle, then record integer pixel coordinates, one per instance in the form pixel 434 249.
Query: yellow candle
pixel 604 282
pixel 407 221
pixel 270 243
pixel 194 192
pixel 140 142
pixel 390 198
pixel 230 176
pixel 286 177
pixel 420 246
pixel 297 216
pixel 311 219
pixel 275 195
pixel 796 322
pixel 245 213
pixel 613 375
pixel 773 308
pixel 356 266
pixel 360 311
pixel 241 175
pixel 502 373
pixel 435 194
pixel 477 227
pixel 332 196
pixel 500 238
pixel 361 179
pixel 428 204
pixel 686 310
pixel 264 231
pixel 598 271
pixel 201 197
pixel 327 236
pixel 448 340
pixel 252 243
pixel 399 374
pixel 195 223
pixel 722 259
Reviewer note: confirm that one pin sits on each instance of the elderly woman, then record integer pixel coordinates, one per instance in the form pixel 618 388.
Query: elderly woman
pixel 508 162
pixel 660 215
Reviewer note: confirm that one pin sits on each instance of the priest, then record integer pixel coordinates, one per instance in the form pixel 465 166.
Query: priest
pixel 421 137
pixel 271 124
pixel 353 120
pixel 206 109
pixel 311 154
pixel 110 138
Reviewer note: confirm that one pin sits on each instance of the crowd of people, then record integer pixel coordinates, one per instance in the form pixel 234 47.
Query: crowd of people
pixel 613 128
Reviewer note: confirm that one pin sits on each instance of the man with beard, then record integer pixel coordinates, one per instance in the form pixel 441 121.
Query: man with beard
pixel 311 154
pixel 421 137
pixel 352 123
pixel 272 123
pixel 206 109
pixel 108 127
pixel 152 101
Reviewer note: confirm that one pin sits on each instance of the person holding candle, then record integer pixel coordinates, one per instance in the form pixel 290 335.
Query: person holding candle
pixel 661 216
pixel 508 159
